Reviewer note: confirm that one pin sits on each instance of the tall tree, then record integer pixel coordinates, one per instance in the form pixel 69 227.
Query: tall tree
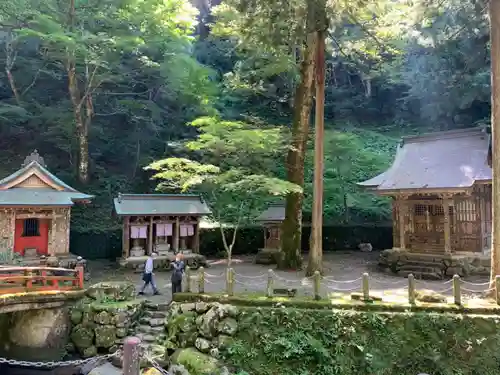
pixel 315 261
pixel 495 134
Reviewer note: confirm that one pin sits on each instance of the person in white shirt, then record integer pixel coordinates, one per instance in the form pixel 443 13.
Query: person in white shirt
pixel 148 275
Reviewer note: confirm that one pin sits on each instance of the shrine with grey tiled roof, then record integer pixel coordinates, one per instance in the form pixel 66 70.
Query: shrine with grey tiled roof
pixel 440 185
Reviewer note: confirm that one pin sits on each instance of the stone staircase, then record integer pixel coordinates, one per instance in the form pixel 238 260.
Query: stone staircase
pixel 151 330
pixel 426 269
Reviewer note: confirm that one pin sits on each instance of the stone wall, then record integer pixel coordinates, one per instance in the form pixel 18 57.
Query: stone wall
pixel 6 230
pixel 101 320
pixel 196 333
pixel 59 243
pixel 279 340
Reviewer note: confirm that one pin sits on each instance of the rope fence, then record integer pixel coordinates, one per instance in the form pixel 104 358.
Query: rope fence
pixel 270 282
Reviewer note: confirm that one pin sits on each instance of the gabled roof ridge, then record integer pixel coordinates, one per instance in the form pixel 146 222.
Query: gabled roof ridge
pixel 156 195
pixel 447 134
pixel 42 169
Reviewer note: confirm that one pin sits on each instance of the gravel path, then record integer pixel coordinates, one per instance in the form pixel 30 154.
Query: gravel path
pixel 343 272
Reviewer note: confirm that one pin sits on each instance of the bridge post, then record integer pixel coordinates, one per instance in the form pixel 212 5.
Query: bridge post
pixel 80 269
pixel 43 273
pixel 131 348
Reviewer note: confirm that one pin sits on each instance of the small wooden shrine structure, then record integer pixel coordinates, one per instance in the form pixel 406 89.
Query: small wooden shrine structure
pixel 440 185
pixel 161 223
pixel 271 219
pixel 35 210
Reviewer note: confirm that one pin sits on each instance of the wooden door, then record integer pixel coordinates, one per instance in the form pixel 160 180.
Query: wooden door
pixel 32 234
pixel 466 225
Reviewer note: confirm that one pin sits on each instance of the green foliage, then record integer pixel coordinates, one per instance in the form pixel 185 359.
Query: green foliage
pixel 353 156
pixel 297 342
pixel 236 168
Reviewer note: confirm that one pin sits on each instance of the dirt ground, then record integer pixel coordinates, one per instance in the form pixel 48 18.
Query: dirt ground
pixel 342 274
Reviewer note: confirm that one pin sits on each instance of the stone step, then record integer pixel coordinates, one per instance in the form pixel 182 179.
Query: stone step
pixel 415 268
pixel 156 306
pixel 146 338
pixel 155 314
pixel 428 263
pixel 150 330
pixel 422 275
pixel 153 322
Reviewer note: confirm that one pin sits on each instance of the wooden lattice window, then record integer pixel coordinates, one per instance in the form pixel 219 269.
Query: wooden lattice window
pixel 431 210
pixel 31 228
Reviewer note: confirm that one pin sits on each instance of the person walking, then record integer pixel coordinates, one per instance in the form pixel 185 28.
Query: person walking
pixel 148 275
pixel 178 271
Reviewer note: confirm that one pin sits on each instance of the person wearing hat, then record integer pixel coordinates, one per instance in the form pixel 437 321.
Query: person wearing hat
pixel 148 275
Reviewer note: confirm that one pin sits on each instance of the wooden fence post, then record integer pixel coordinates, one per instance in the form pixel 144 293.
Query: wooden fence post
pixel 80 272
pixel 28 282
pixel 230 281
pixel 317 285
pixel 411 289
pixel 497 289
pixel 43 273
pixel 201 280
pixel 366 287
pixel 270 283
pixel 457 296
pixel 187 288
pixel 131 348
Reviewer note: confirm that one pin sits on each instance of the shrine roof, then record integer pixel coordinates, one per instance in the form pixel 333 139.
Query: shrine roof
pixel 160 204
pixel 274 213
pixel 443 160
pixel 35 185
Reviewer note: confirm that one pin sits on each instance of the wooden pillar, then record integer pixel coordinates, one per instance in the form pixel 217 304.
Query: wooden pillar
pixel 196 239
pixel 447 230
pixel 126 237
pixel 403 210
pixel 177 233
pixel 150 236
pixel 53 234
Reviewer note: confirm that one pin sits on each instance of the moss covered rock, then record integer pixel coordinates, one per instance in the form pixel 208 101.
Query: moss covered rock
pixel 195 362
pixel 112 291
pixel 105 336
pixel 82 336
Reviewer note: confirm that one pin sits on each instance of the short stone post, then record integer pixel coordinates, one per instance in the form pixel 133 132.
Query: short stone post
pixel 201 280
pixel 317 285
pixel 80 272
pixel 497 289
pixel 411 289
pixel 366 287
pixel 457 296
pixel 230 281
pixel 270 284
pixel 28 281
pixel 43 273
pixel 187 287
pixel 131 351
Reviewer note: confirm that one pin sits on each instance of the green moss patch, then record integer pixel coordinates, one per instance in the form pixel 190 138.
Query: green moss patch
pixel 343 303
pixel 290 341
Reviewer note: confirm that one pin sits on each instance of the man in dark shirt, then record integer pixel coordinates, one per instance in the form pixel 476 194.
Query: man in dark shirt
pixel 178 271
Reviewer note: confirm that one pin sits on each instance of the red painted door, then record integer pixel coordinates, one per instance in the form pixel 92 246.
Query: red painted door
pixel 32 233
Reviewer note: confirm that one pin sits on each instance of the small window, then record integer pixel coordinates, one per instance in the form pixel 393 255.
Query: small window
pixel 31 228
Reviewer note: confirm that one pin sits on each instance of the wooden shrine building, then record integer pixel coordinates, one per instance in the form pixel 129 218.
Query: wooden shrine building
pixel 35 210
pixel 161 223
pixel 440 185
pixel 271 219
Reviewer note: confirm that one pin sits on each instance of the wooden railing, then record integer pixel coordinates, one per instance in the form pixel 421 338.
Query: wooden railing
pixel 34 279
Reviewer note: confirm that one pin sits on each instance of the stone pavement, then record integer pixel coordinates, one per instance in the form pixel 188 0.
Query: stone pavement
pixel 343 271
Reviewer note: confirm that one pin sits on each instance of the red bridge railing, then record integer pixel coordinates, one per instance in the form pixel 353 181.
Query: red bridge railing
pixel 34 279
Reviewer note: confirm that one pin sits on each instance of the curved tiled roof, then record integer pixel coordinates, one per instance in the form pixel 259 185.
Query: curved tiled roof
pixel 443 160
